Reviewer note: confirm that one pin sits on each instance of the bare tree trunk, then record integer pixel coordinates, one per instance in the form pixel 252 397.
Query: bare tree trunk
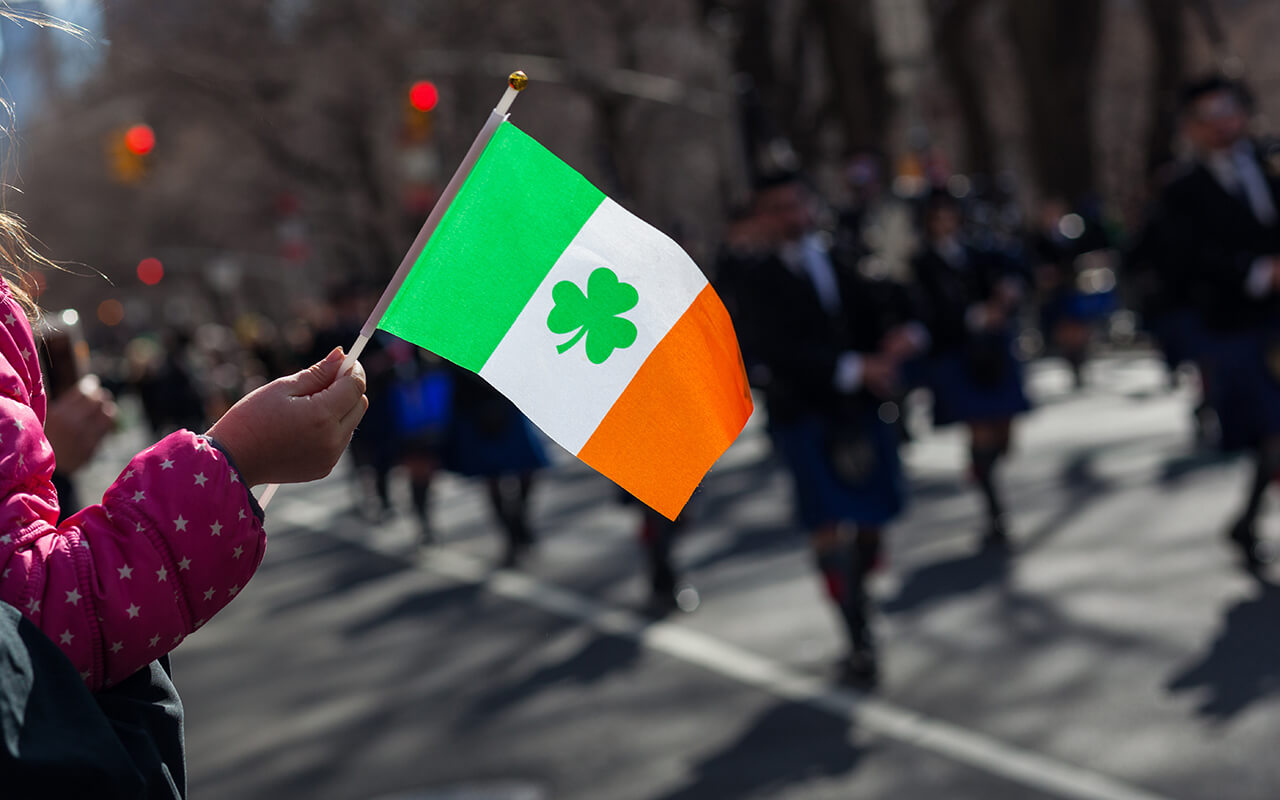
pixel 1168 33
pixel 753 53
pixel 759 120
pixel 860 90
pixel 954 21
pixel 1056 42
pixel 1212 28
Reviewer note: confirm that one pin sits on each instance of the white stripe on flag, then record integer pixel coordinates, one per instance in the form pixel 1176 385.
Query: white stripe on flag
pixel 566 394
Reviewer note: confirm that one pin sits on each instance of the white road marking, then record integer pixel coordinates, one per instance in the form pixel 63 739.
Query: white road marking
pixel 871 714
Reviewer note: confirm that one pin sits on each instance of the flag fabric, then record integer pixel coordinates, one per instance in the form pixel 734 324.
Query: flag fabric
pixel 600 328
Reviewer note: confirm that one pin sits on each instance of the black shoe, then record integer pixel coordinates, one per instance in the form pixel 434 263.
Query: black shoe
pixel 1245 537
pixel 997 536
pixel 515 552
pixel 860 669
pixel 682 598
pixel 1077 376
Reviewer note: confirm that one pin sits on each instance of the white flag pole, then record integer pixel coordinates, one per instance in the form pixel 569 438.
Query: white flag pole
pixel 516 82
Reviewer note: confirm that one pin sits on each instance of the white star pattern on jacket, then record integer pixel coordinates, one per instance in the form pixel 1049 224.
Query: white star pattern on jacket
pixel 85 567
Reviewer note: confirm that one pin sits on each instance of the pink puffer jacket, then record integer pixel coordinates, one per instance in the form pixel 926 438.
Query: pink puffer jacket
pixel 121 583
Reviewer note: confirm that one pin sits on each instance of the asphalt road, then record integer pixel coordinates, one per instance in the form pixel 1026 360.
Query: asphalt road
pixel 1120 654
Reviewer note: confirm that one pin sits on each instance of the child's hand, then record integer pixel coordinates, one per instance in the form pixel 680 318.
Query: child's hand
pixel 295 428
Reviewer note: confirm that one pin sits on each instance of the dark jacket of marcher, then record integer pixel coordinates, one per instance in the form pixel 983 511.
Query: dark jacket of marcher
pixel 791 343
pixel 944 293
pixel 1215 239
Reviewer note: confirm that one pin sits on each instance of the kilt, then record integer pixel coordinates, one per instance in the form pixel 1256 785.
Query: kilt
pixel 821 495
pixel 1180 336
pixel 1241 388
pixel 505 445
pixel 959 395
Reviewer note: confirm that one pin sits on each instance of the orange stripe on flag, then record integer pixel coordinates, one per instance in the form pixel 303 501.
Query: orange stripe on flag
pixel 681 411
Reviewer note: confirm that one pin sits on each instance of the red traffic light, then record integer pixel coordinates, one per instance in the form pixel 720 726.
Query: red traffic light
pixel 150 271
pixel 423 96
pixel 140 139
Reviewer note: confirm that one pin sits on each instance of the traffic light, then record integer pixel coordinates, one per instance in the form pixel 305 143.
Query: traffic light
pixel 129 152
pixel 150 271
pixel 422 98
pixel 140 139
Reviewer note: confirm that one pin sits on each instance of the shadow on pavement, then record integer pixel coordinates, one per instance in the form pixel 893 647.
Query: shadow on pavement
pixel 941 580
pixel 785 746
pixel 1242 665
pixel 1178 467
pixel 460 600
pixel 598 658
pixel 747 541
pixel 1079 487
pixel 346 567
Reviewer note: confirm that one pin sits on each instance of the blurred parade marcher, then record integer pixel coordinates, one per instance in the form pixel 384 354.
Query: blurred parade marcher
pixel 742 245
pixel 1164 298
pixel 656 535
pixel 171 397
pixel 77 421
pixel 874 229
pixel 1074 271
pixel 825 349
pixel 374 447
pixel 489 438
pixel 80 411
pixel 968 298
pixel 422 403
pixel 1220 217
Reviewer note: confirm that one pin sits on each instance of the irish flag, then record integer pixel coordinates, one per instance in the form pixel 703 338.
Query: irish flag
pixel 595 324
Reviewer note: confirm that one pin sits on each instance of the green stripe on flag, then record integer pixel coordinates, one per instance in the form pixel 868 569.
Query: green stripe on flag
pixel 505 230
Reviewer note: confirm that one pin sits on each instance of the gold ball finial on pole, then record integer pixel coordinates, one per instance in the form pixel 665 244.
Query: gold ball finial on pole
pixel 516 82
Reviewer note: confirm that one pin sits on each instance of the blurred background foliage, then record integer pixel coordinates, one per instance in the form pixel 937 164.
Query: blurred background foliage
pixel 263 151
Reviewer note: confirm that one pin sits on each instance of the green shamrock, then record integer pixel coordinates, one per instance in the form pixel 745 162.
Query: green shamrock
pixel 594 314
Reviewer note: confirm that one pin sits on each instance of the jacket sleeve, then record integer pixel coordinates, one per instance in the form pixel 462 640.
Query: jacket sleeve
pixel 1216 263
pixel 119 583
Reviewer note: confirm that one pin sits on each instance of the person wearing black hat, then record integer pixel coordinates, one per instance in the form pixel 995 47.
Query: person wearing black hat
pixel 968 298
pixel 1221 220
pixel 825 345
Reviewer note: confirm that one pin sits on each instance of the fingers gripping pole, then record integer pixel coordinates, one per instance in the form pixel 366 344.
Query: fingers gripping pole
pixel 353 354
pixel 347 364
